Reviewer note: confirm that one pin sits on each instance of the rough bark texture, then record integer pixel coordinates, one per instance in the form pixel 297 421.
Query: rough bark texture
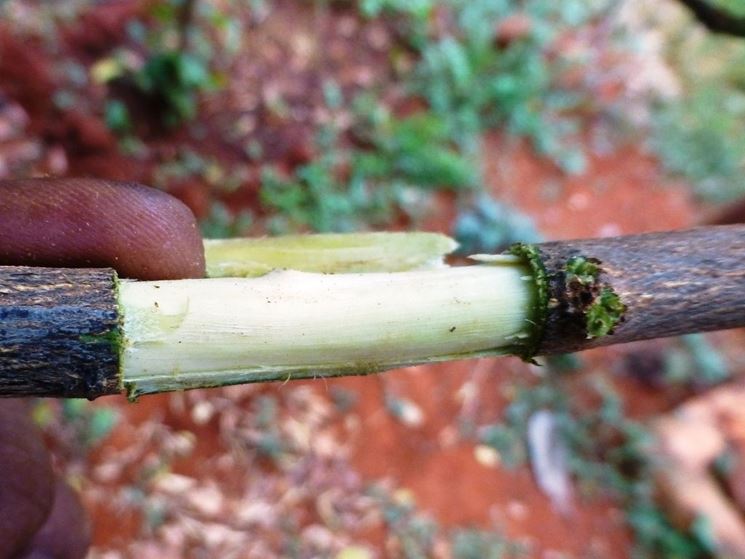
pixel 667 284
pixel 59 332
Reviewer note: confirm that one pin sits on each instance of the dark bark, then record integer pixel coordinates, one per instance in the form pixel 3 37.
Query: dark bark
pixel 59 332
pixel 667 284
pixel 729 214
pixel 185 21
pixel 716 20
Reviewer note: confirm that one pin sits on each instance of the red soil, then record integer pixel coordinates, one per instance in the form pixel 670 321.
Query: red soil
pixel 624 192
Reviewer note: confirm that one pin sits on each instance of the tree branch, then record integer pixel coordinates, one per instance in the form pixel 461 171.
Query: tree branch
pixel 716 20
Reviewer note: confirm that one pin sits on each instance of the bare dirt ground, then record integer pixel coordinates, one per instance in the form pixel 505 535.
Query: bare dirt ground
pixel 321 468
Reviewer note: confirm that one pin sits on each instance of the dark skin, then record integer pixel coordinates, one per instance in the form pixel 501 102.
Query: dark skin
pixel 143 234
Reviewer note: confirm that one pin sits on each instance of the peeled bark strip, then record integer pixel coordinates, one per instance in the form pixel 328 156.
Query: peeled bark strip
pixel 59 332
pixel 622 289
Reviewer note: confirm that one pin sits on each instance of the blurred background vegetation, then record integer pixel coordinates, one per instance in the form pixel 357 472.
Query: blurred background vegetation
pixel 491 120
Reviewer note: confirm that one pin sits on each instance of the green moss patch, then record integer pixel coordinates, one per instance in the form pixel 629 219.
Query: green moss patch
pixel 539 313
pixel 582 270
pixel 604 313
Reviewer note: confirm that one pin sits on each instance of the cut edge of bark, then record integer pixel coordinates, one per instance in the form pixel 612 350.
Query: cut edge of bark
pixel 574 293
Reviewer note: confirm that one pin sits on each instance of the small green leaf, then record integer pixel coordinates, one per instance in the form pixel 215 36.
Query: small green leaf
pixel 604 313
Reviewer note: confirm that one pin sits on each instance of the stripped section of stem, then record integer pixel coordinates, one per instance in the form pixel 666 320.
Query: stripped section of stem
pixel 327 253
pixel 289 324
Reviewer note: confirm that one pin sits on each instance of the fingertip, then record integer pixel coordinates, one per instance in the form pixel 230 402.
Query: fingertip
pixel 66 533
pixel 141 232
pixel 156 235
pixel 26 480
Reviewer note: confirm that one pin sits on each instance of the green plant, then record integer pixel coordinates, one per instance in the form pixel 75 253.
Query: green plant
pixel 90 424
pixel 349 188
pixel 182 60
pixel 694 361
pixel 508 436
pixel 416 149
pixel 470 84
pixel 221 223
pixel 702 145
pixel 611 453
pixel 412 27
pixel 414 532
pixel 481 544
pixel 486 226
pixel 269 442
pixel 173 79
pixel 420 9
pixel 415 535
pixel 693 141
pixel 314 198
pixel 475 84
pixel 116 116
pixel 606 454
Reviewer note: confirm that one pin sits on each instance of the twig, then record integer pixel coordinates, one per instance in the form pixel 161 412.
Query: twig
pixel 716 20
pixel 85 333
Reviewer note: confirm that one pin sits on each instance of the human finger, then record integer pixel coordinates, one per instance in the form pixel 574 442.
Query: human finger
pixel 141 232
